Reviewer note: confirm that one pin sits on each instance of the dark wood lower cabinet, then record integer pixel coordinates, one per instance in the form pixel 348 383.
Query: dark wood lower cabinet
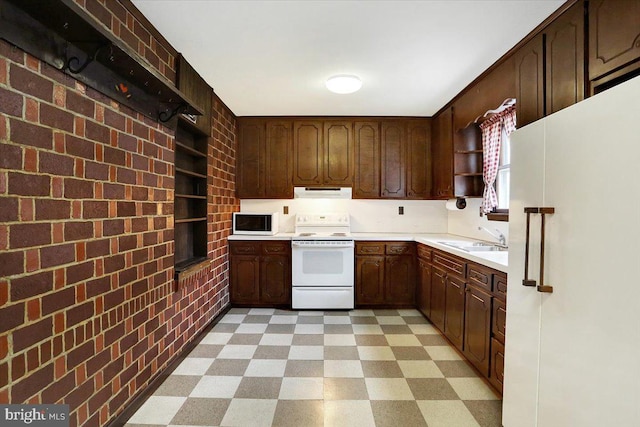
pixel 400 272
pixel 423 291
pixel 454 310
pixel 260 273
pixel 438 290
pixel 496 372
pixel 369 280
pixel 477 328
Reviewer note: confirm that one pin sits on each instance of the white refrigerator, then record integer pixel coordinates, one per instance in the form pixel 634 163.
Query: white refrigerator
pixel 572 355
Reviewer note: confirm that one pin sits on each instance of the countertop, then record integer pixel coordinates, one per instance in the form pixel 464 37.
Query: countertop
pixel 496 260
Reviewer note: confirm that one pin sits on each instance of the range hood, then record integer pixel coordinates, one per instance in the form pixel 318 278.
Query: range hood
pixel 322 192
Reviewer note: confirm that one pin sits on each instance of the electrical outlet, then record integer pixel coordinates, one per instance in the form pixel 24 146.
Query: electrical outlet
pixel 285 210
pixel 400 210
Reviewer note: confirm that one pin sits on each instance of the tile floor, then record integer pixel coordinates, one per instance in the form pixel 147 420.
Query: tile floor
pixel 266 367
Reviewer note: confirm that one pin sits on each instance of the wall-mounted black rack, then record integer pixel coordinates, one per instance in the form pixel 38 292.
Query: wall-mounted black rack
pixel 62 34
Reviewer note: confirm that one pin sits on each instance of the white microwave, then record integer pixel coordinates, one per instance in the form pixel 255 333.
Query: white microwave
pixel 259 224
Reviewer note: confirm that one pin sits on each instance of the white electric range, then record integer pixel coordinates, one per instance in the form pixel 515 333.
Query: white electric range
pixel 322 262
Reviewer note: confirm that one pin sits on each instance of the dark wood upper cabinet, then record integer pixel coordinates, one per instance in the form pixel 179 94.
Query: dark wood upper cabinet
pixel 442 149
pixel 278 166
pixel 366 180
pixel 419 159
pixel 250 173
pixel 614 35
pixel 565 63
pixel 529 64
pixel 307 153
pixel 338 153
pixel 393 160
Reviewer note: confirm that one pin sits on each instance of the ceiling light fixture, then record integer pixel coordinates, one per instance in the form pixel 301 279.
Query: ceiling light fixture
pixel 344 83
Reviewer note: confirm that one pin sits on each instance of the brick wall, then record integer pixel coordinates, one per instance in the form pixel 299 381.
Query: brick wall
pixel 89 311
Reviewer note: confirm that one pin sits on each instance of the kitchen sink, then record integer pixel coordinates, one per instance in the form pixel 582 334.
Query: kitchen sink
pixel 475 246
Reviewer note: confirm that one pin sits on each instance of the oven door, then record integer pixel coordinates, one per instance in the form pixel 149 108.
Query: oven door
pixel 322 263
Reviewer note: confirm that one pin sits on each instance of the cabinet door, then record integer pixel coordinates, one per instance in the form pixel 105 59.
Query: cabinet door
pixel 614 31
pixel 245 279
pixel 275 280
pixel 529 63
pixel 499 320
pixel 250 171
pixel 496 372
pixel 369 280
pixel 338 153
pixel 423 291
pixel 400 282
pixel 366 183
pixel 307 153
pixel 419 159
pixel 442 147
pixel 278 164
pixel 454 310
pixel 477 328
pixel 438 294
pixel 393 159
pixel 565 74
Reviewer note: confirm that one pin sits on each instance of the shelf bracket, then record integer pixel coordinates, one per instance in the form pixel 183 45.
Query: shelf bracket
pixel 167 115
pixel 70 63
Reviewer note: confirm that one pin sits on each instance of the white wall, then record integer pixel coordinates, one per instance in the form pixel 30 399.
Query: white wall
pixel 465 223
pixel 420 216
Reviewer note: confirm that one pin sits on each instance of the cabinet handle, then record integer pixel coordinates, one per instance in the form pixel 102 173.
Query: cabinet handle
pixel 526 281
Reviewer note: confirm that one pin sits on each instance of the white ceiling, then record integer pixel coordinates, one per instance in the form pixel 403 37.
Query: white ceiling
pixel 273 57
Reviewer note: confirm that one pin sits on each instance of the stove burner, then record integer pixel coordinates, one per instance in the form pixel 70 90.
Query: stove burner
pixel 339 234
pixel 307 234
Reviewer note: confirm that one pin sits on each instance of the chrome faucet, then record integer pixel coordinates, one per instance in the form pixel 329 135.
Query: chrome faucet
pixel 501 238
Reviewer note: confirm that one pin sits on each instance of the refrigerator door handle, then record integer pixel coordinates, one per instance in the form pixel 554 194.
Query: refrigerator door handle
pixel 542 287
pixel 526 281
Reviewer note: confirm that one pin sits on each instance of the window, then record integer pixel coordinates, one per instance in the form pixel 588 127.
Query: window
pixel 504 173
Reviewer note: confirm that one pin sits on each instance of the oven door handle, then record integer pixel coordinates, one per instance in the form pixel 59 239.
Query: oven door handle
pixel 314 245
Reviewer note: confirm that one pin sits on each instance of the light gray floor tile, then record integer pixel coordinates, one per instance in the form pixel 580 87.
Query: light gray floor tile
pixel 201 412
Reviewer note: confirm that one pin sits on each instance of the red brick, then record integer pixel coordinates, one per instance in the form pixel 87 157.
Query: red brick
pixel 55 302
pixel 99 12
pixel 79 272
pixel 78 230
pixel 113 227
pixel 114 156
pixel 79 147
pixel 33 260
pixel 80 313
pixel 113 191
pixel 78 189
pixel 81 251
pixel 127 142
pixel 59 95
pixel 31 110
pixel 114 263
pixel 97 171
pixel 126 209
pixel 97 132
pixel 10 156
pixel 79 126
pixel 31 83
pixel 3 71
pixel 56 164
pixel 52 256
pixel 11 103
pixel 9 209
pixel 11 316
pixel 62 386
pixel 58 232
pixel 31 285
pixel 98 286
pixel 33 309
pixel 126 176
pixel 31 334
pixel 28 185
pixel 98 248
pixel 30 160
pixel 18 366
pixel 56 118
pixel 32 384
pixel 52 209
pixel 114 120
pixel 80 104
pixel 28 235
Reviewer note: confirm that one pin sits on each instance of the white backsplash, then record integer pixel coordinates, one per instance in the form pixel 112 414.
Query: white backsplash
pixel 367 216
pixel 465 223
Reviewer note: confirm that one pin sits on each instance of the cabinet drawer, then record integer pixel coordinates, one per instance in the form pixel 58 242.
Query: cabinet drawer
pixel 276 248
pixel 370 248
pixel 499 322
pixel 500 285
pixel 424 252
pixel 244 248
pixel 400 248
pixel 451 264
pixel 479 276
